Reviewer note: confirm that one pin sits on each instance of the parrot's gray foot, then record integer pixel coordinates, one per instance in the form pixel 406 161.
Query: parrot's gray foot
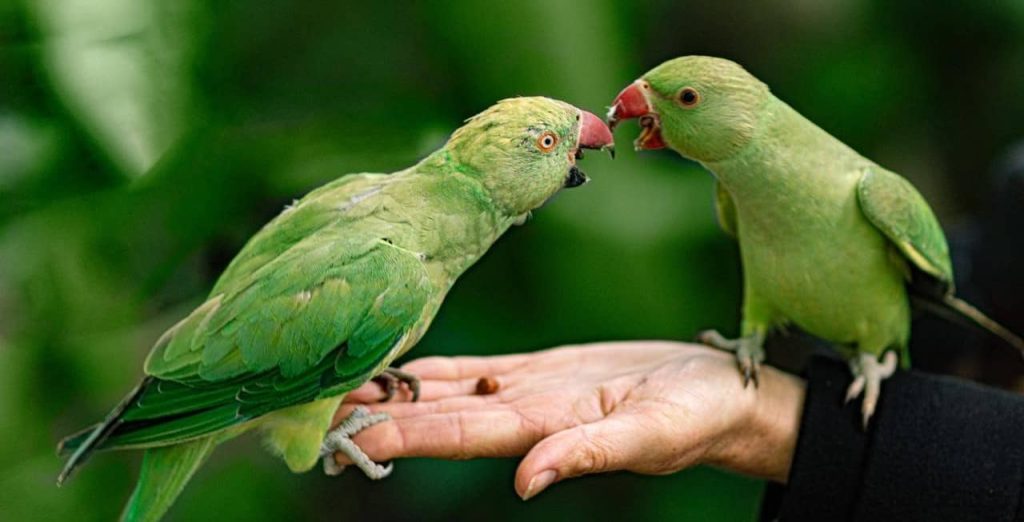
pixel 868 375
pixel 340 439
pixel 391 378
pixel 749 352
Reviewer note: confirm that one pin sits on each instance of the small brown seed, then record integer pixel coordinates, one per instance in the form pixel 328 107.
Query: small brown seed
pixel 486 386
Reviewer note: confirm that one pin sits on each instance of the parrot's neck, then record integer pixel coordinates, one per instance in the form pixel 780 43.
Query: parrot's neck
pixel 467 221
pixel 789 156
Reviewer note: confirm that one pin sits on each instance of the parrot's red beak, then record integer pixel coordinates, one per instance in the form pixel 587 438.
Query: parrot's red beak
pixel 632 103
pixel 594 134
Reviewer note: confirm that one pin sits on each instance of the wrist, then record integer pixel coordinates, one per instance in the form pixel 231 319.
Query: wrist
pixel 762 441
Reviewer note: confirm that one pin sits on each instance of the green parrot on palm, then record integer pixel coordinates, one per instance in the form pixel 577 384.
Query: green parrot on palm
pixel 829 240
pixel 328 294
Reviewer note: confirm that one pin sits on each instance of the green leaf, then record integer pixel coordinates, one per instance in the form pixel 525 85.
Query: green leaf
pixel 120 67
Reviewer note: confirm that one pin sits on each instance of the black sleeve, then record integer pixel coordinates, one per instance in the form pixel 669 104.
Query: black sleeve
pixel 937 449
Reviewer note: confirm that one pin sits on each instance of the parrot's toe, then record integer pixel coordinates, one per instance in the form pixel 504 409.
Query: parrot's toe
pixel 751 372
pixel 748 375
pixel 749 355
pixel 716 340
pixel 391 378
pixel 331 466
pixel 389 384
pixel 868 376
pixel 749 352
pixel 855 389
pixel 340 440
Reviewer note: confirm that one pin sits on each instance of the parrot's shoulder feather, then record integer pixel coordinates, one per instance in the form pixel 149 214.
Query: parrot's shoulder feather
pixel 336 286
pixel 899 211
pixel 725 210
pixel 318 209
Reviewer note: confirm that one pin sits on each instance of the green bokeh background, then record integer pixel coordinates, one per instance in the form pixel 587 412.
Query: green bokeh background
pixel 142 142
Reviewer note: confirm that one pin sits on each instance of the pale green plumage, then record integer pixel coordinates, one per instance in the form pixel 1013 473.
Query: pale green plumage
pixel 810 255
pixel 326 295
pixel 829 240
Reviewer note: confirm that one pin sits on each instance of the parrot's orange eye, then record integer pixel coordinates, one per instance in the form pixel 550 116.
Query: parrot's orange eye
pixel 689 97
pixel 546 142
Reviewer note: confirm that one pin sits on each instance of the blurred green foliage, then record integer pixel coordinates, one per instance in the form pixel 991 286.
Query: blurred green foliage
pixel 141 143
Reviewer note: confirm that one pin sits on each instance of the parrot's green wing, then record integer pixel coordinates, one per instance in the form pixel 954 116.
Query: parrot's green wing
pixel 313 212
pixel 725 210
pixel 895 207
pixel 314 322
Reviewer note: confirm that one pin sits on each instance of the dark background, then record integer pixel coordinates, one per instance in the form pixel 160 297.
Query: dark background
pixel 141 143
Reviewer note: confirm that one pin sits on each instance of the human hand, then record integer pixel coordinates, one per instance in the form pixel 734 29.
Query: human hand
pixel 650 407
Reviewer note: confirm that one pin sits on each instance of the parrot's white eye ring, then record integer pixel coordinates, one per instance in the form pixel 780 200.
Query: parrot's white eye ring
pixel 547 141
pixel 688 97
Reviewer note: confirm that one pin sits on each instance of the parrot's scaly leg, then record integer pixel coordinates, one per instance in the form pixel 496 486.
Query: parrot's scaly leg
pixel 390 378
pixel 340 439
pixel 868 375
pixel 749 352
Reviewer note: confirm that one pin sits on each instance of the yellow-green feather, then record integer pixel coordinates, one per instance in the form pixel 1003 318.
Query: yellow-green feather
pixel 893 205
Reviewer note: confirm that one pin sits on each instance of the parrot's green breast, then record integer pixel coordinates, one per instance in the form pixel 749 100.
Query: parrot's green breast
pixel 810 256
pixel 827 270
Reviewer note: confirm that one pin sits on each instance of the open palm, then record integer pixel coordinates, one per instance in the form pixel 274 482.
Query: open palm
pixel 644 406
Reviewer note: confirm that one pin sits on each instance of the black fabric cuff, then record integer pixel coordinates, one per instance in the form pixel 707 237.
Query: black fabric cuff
pixel 937 449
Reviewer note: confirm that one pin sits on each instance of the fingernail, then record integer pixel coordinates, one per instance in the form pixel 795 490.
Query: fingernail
pixel 539 483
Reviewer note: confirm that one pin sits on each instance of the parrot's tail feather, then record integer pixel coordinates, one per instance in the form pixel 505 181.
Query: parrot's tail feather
pixel 959 310
pixel 965 309
pixel 165 471
pixel 84 443
pixel 75 440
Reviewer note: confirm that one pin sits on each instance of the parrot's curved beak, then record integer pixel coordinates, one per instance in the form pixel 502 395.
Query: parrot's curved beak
pixel 594 134
pixel 632 103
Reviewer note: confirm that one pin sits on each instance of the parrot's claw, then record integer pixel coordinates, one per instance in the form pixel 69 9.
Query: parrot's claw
pixel 749 352
pixel 391 378
pixel 749 357
pixel 751 372
pixel 340 440
pixel 868 375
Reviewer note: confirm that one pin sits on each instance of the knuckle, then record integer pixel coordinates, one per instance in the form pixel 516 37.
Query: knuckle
pixel 592 453
pixel 607 399
pixel 388 446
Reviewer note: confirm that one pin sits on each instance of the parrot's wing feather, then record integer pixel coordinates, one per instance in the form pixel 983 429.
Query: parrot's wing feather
pixel 895 207
pixel 725 210
pixel 302 218
pixel 316 321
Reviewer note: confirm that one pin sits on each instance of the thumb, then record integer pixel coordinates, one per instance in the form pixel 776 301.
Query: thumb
pixel 610 444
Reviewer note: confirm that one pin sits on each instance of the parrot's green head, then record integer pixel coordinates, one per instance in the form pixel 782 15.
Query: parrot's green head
pixel 704 108
pixel 523 150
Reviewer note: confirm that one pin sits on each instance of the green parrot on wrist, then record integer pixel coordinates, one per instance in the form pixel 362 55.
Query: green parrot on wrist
pixel 829 240
pixel 327 294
